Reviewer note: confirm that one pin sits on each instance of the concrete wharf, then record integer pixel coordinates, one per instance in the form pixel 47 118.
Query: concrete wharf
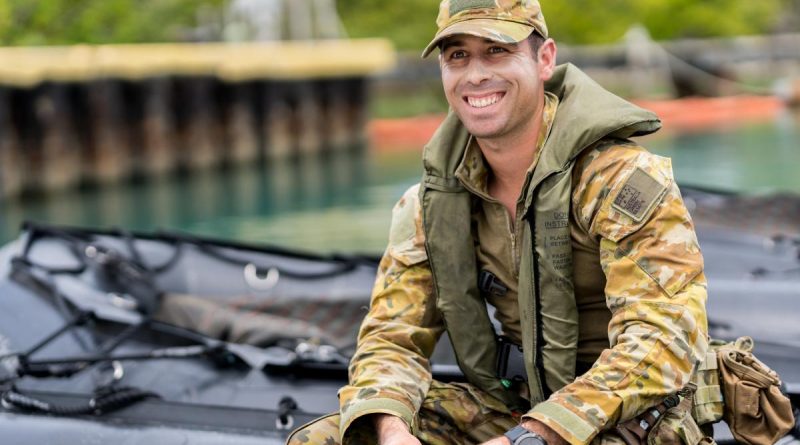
pixel 79 115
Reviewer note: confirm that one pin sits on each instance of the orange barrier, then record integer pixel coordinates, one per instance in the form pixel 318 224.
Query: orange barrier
pixel 689 114
pixel 696 113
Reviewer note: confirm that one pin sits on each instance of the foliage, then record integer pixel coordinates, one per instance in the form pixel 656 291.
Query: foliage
pixel 605 21
pixel 60 22
pixel 410 23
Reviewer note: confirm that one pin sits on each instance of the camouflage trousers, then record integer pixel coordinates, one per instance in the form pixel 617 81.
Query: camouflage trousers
pixel 459 413
pixel 452 413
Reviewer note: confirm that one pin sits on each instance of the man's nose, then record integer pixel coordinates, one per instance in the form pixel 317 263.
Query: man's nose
pixel 477 72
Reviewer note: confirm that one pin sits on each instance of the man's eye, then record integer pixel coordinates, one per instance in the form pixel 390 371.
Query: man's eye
pixel 458 54
pixel 496 50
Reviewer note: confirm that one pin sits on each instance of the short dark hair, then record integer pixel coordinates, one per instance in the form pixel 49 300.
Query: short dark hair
pixel 535 41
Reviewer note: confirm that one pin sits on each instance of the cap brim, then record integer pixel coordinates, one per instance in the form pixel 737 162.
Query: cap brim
pixel 502 31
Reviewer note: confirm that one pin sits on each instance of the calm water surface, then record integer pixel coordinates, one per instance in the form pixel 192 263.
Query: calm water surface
pixel 343 202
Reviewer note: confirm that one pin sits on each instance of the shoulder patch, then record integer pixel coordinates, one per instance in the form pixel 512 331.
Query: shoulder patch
pixel 638 195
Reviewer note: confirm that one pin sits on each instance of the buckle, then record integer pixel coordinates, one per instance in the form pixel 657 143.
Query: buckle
pixel 510 362
pixel 489 283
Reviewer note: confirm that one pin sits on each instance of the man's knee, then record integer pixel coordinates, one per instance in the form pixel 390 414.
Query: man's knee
pixel 324 430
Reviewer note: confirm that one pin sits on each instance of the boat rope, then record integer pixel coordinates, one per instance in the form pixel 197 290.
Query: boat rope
pixel 81 319
pixel 346 264
pixel 105 400
pixel 85 251
pixel 68 366
pixel 130 242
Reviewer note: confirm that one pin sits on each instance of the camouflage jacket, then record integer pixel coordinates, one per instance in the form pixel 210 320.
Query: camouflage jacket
pixel 655 292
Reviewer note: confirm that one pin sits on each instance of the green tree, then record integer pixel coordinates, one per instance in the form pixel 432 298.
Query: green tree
pixel 410 23
pixel 606 21
pixel 59 22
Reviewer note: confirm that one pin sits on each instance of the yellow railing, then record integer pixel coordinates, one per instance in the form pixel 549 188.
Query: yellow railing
pixel 28 66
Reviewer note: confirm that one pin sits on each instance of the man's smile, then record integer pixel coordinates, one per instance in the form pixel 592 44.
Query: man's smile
pixel 483 101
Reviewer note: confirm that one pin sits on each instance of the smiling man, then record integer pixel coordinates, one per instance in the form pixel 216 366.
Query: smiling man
pixel 534 201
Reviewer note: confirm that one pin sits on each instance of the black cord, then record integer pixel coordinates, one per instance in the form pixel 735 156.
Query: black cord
pixel 346 265
pixel 75 246
pixel 130 242
pixel 105 400
pixel 80 319
pixel 79 245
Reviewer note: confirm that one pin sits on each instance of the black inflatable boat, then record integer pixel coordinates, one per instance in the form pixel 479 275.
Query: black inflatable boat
pixel 137 338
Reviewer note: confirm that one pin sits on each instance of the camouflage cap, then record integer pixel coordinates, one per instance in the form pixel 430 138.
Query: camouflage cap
pixel 507 21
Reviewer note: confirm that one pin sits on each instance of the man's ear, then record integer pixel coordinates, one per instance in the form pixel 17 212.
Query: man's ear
pixel 547 59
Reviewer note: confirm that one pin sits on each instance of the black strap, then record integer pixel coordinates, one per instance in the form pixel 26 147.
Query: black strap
pixel 635 431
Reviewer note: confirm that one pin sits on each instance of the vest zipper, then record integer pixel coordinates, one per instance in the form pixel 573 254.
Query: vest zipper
pixel 514 253
pixel 512 230
pixel 544 390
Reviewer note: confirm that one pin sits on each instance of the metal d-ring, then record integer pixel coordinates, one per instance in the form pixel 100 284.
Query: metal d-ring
pixel 288 425
pixel 258 283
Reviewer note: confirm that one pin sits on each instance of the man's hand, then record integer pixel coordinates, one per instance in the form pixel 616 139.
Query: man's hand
pixel 502 440
pixel 393 431
pixel 537 427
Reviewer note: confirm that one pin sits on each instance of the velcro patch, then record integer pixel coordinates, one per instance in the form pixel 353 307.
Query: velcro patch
pixel 639 194
pixel 457 6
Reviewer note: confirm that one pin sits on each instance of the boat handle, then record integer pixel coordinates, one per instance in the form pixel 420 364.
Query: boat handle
pixel 258 283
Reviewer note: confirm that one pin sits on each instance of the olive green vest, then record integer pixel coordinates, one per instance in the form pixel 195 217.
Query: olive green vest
pixel 549 320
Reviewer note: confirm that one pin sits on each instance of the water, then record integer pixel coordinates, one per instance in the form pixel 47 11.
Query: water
pixel 343 202
pixel 755 158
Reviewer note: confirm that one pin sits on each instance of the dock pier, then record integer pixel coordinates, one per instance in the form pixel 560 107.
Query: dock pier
pixel 72 116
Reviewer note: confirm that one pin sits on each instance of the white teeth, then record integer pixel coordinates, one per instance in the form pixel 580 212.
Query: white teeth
pixel 483 101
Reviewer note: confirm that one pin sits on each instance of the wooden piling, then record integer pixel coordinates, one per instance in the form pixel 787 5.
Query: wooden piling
pixel 242 118
pixel 357 112
pixel 61 158
pixel 307 116
pixel 277 125
pixel 196 130
pixel 100 114
pixel 10 172
pixel 158 149
pixel 109 156
pixel 335 114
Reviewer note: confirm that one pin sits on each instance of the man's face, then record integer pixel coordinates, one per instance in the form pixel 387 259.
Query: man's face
pixel 494 88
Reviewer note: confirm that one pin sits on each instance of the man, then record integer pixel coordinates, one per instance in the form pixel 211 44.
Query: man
pixel 535 201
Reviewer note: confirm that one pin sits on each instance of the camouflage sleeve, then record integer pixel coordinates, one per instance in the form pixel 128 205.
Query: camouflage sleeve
pixel 627 200
pixel 390 372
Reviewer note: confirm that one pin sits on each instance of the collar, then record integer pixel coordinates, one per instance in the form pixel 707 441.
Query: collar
pixel 473 172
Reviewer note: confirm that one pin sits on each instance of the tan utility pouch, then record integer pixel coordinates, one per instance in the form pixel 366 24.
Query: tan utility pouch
pixel 756 410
